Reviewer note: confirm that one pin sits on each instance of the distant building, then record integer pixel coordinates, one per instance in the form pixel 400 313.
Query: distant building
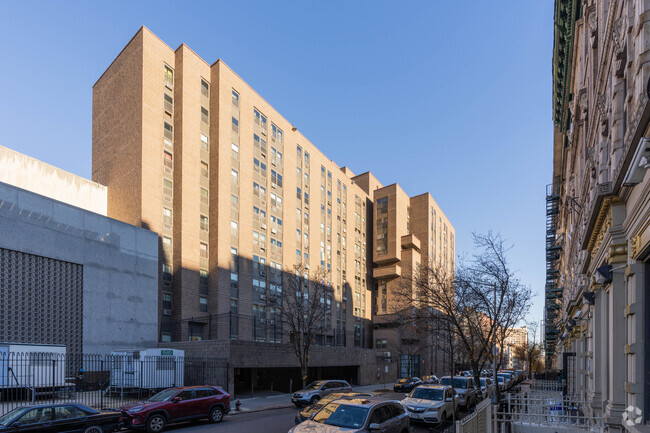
pixel 239 196
pixel 517 337
pixel 69 275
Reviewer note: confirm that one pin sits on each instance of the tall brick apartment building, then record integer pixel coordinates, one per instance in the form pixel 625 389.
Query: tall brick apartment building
pixel 238 196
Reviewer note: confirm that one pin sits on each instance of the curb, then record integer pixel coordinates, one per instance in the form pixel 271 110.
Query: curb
pixel 264 409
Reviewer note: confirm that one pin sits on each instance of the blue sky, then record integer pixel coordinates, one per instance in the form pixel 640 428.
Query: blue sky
pixel 448 97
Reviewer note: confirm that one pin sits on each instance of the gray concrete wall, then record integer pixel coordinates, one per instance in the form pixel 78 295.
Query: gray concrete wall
pixel 120 264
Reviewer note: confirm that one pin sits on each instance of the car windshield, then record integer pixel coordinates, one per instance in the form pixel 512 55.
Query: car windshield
pixel 342 415
pixel 314 385
pixel 499 379
pixel 458 383
pixel 483 382
pixel 427 393
pixel 163 395
pixel 10 416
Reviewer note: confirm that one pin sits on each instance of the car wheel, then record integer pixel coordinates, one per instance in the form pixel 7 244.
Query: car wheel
pixel 216 415
pixel 94 429
pixel 156 423
pixel 315 399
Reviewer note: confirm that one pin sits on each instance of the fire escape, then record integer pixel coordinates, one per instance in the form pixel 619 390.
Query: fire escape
pixel 553 250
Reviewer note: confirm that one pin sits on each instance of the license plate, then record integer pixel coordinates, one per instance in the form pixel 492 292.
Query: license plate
pixel 415 416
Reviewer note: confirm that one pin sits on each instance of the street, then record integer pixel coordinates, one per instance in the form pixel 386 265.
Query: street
pixel 269 421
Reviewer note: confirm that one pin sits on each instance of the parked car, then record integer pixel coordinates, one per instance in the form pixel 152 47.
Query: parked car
pixel 487 387
pixel 465 389
pixel 522 374
pixel 467 373
pixel 501 382
pixel 507 380
pixel 357 415
pixel 317 390
pixel 406 384
pixel 430 380
pixel 431 403
pixel 309 411
pixel 67 417
pixel 177 404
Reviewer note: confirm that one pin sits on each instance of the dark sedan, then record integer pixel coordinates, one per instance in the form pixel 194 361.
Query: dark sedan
pixel 69 418
pixel 406 384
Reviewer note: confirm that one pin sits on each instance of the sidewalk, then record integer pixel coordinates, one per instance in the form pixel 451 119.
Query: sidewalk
pixel 283 401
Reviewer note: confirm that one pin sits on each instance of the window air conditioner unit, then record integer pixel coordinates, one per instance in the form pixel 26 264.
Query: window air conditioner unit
pixel 263 273
pixel 263 226
pixel 262 249
pixel 387 354
pixel 274 231
pixel 262 296
pixel 167 312
pixel 263 131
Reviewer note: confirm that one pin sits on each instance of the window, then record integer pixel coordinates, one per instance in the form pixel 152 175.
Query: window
pixel 205 171
pixel 168 103
pixel 167 216
pixel 167 303
pixel 260 120
pixel 276 133
pixel 235 99
pixel 306 159
pixel 169 77
pixel 306 198
pixel 299 153
pixel 204 250
pixel 205 88
pixel 167 243
pixel 204 142
pixel 382 225
pixel 235 176
pixel 204 223
pixel 298 193
pixel 205 199
pixel 235 151
pixel 234 201
pixel 234 228
pixel 205 115
pixel 235 125
pixel 203 281
pixel 168 160
pixel 168 131
pixel 276 179
pixel 381 344
pixel 203 304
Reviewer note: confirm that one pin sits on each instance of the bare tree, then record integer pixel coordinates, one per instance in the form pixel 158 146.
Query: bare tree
pixel 530 353
pixel 303 308
pixel 480 303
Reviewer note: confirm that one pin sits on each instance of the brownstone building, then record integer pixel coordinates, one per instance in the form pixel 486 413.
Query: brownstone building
pixel 239 196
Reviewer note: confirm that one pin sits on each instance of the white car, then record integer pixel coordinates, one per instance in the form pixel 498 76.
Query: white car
pixel 487 387
pixel 465 390
pixel 431 404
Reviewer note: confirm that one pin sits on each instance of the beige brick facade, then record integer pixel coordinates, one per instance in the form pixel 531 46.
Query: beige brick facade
pixel 271 198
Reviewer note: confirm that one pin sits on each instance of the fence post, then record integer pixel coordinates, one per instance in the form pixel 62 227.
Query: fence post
pixel 140 383
pixel 53 377
pixel 101 391
pixel 203 374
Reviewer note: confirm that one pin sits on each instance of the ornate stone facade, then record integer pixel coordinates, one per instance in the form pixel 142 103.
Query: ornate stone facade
pixel 601 112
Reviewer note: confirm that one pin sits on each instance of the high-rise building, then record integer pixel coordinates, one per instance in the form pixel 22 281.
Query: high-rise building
pixel 238 196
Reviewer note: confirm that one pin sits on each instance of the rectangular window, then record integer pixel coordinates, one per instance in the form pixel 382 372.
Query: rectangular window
pixel 276 133
pixel 235 176
pixel 203 304
pixel 235 99
pixel 235 151
pixel 168 188
pixel 203 282
pixel 205 115
pixel 168 131
pixel 205 171
pixel 167 303
pixel 167 243
pixel 204 142
pixel 204 250
pixel 168 160
pixel 205 199
pixel 306 159
pixel 167 216
pixel 205 88
pixel 204 223
pixel 235 125
pixel 234 229
pixel 382 225
pixel 169 103
pixel 298 193
pixel 169 77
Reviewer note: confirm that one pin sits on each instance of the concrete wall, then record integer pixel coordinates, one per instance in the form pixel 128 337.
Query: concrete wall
pixel 120 264
pixel 33 175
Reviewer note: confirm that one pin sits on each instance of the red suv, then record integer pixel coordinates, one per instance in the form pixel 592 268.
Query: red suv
pixel 177 404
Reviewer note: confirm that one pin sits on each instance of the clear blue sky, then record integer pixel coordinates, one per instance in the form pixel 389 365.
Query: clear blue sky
pixel 451 97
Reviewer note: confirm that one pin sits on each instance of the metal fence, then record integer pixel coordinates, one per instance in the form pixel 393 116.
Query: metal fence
pixel 479 421
pixel 543 408
pixel 99 381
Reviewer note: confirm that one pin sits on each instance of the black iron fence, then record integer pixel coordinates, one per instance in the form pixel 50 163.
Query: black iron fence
pixel 99 381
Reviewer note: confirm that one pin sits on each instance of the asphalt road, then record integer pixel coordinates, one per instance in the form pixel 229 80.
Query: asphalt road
pixel 270 421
